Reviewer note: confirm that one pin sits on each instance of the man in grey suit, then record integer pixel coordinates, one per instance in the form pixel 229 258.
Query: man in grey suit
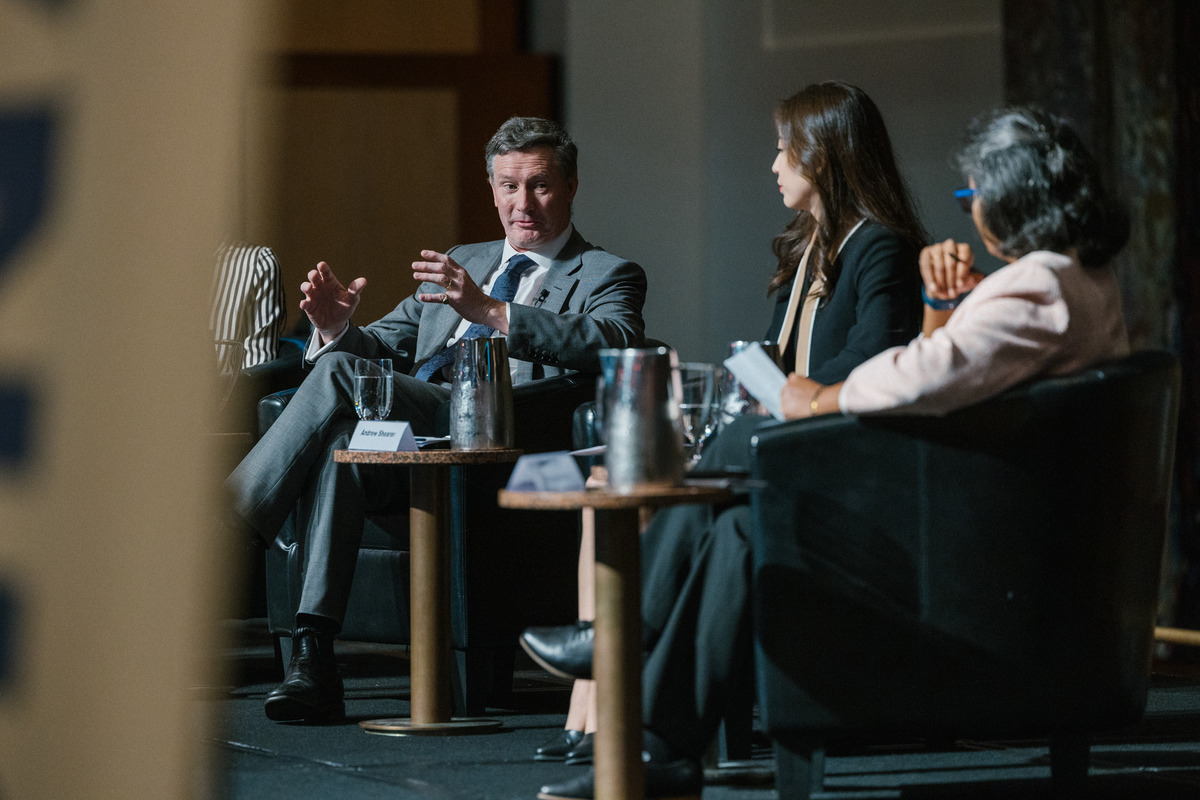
pixel 557 298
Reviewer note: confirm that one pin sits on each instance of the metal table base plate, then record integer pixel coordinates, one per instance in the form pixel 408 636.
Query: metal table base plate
pixel 404 726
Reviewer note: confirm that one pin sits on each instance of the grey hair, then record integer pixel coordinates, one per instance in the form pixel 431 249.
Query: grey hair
pixel 525 133
pixel 1039 186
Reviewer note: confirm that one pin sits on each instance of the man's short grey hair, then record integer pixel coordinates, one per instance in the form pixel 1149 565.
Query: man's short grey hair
pixel 525 133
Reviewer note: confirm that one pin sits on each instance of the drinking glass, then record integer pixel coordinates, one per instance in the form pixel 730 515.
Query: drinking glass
pixel 373 388
pixel 698 405
pixel 735 400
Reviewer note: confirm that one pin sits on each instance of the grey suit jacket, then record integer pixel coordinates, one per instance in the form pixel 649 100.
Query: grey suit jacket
pixel 590 299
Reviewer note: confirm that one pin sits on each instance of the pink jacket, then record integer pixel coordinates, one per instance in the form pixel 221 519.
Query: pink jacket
pixel 1044 314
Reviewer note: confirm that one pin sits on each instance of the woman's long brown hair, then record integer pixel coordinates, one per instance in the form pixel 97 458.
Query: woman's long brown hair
pixel 835 136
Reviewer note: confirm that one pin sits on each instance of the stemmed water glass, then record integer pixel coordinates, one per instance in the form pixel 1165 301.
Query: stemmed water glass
pixel 373 388
pixel 698 406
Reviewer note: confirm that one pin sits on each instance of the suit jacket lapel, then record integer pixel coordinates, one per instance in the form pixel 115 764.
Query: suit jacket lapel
pixel 561 277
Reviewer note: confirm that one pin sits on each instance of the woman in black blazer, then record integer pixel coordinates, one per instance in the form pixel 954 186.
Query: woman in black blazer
pixel 855 236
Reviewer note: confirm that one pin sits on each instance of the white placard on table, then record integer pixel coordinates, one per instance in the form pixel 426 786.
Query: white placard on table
pixel 389 437
pixel 762 378
pixel 546 472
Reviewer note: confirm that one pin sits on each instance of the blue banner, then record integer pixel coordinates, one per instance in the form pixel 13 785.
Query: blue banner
pixel 16 413
pixel 25 139
pixel 8 635
pixel 25 159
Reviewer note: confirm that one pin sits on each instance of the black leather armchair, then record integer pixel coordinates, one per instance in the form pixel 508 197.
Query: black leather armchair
pixel 508 569
pixel 988 574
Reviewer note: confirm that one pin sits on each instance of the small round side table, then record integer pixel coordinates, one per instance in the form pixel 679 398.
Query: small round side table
pixel 617 660
pixel 429 576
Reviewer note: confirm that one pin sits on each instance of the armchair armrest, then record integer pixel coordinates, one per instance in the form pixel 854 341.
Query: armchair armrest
pixel 285 371
pixel 585 427
pixel 270 407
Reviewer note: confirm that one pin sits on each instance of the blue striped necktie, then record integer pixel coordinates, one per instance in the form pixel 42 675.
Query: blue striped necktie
pixel 504 290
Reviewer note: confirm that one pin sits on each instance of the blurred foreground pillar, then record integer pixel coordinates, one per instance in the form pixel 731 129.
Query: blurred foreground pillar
pixel 118 137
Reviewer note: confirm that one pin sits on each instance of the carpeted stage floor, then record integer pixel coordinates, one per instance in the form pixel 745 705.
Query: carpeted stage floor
pixel 259 760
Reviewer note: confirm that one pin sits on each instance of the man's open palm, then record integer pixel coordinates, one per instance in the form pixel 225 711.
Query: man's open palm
pixel 328 304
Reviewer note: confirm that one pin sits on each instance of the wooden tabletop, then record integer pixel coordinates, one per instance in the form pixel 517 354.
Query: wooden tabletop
pixel 604 498
pixel 451 458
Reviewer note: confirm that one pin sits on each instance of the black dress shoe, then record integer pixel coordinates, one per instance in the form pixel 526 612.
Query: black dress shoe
pixel 312 690
pixel 557 748
pixel 562 650
pixel 581 754
pixel 682 779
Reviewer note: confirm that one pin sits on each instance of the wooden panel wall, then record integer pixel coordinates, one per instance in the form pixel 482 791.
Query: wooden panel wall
pixel 364 26
pixel 361 179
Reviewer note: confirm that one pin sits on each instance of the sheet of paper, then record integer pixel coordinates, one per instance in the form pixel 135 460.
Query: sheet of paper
pixel 755 370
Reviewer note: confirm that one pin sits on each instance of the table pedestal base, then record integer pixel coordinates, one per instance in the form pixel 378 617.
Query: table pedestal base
pixel 404 726
pixel 429 594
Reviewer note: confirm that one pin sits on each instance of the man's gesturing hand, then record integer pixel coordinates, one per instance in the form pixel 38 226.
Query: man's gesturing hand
pixel 328 304
pixel 459 291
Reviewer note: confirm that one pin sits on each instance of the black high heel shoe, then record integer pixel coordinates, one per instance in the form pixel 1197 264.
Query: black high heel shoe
pixel 581 754
pixel 560 747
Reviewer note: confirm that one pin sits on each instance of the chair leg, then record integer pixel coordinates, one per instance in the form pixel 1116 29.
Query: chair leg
pixel 799 771
pixel 1069 765
pixel 481 675
pixel 737 729
pixel 500 691
pixel 736 735
pixel 471 679
pixel 283 654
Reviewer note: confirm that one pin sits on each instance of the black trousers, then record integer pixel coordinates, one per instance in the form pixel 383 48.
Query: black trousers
pixel 696 619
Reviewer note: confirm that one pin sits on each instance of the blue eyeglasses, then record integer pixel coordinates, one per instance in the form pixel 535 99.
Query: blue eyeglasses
pixel 965 198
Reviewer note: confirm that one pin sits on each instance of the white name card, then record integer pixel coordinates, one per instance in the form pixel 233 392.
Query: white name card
pixel 390 437
pixel 546 472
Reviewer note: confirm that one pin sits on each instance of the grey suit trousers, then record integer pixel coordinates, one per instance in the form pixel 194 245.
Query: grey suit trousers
pixel 292 466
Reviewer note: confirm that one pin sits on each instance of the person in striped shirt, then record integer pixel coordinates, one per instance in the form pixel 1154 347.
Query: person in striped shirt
pixel 247 301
